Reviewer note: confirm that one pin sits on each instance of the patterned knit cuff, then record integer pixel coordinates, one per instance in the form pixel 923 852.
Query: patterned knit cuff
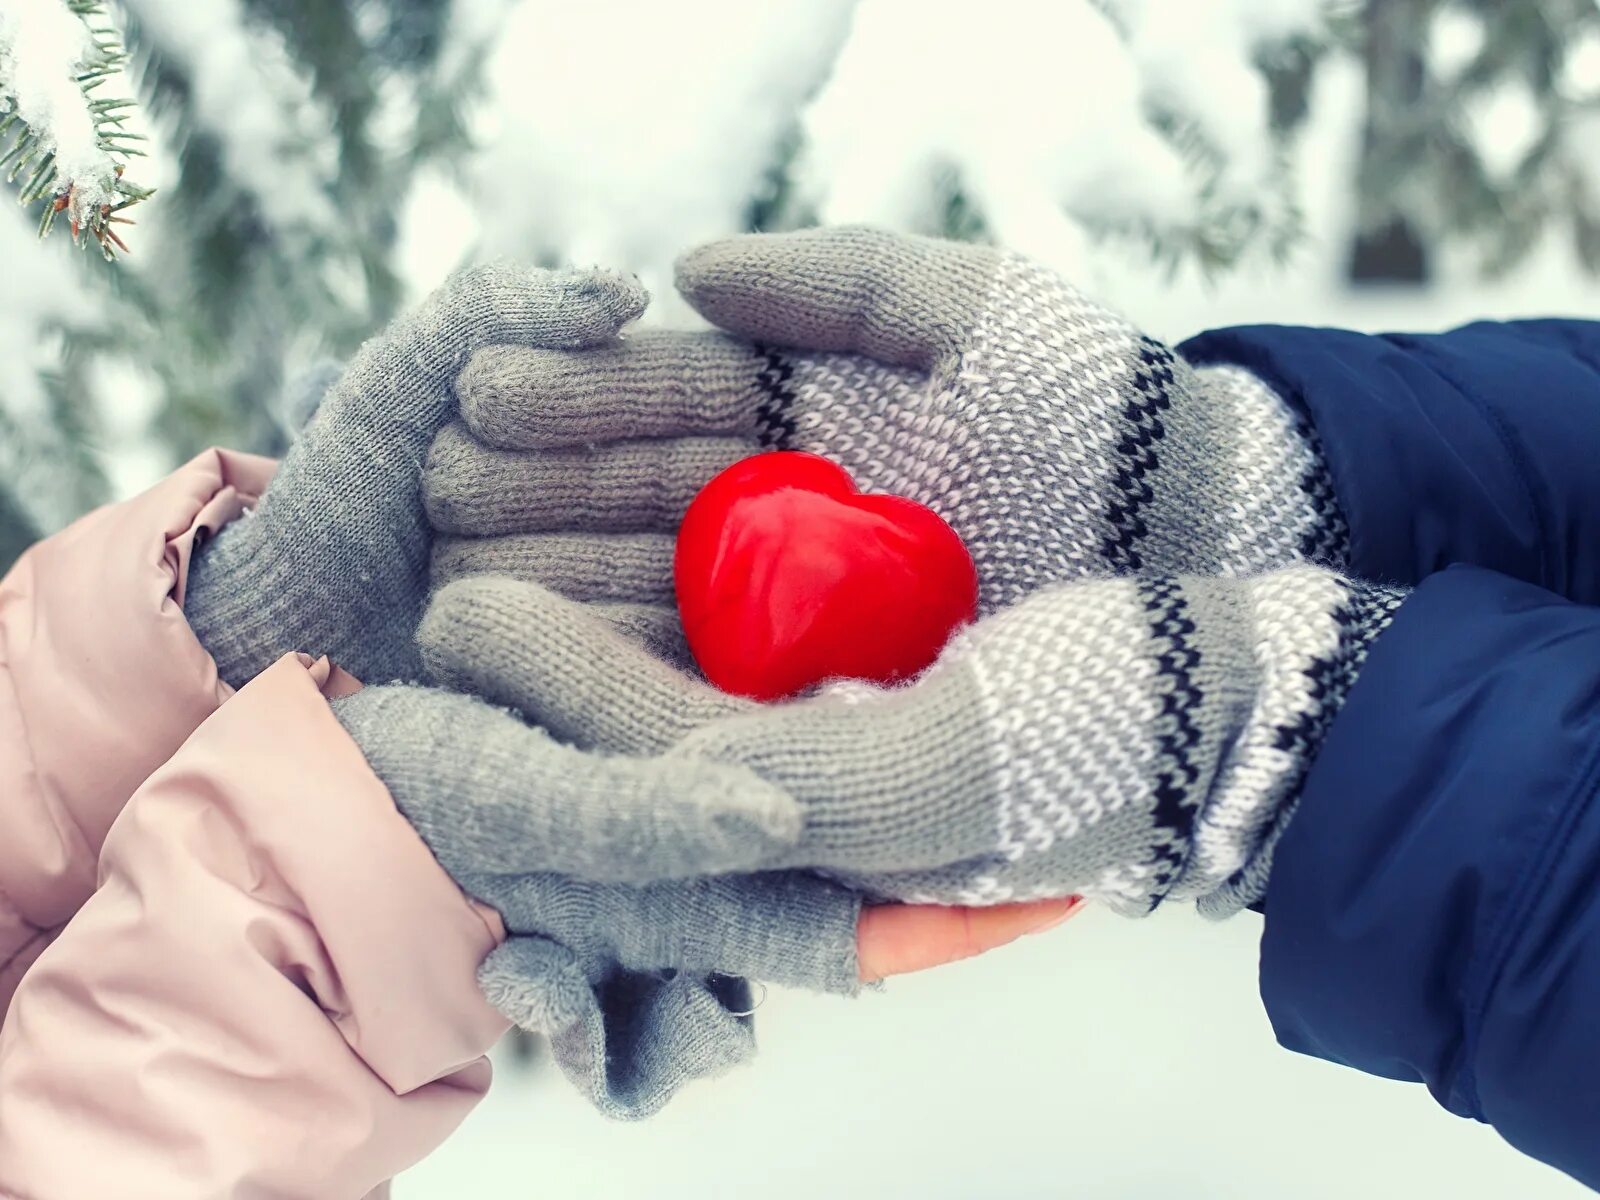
pixel 1322 682
pixel 1280 502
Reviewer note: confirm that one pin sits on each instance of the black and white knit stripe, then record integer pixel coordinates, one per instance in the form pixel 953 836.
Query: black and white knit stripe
pixel 1326 540
pixel 1176 799
pixel 1132 487
pixel 1364 613
pixel 775 424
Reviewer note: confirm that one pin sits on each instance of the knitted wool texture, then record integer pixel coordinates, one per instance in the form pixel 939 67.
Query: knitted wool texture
pixel 629 1040
pixel 1133 740
pixel 633 979
pixel 1064 444
pixel 335 558
pixel 634 985
pixel 1057 440
pixel 1138 740
pixel 335 561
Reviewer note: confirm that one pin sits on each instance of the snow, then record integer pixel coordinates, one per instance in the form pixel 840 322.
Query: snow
pixel 1579 81
pixel 1198 59
pixel 638 129
pixel 276 139
pixel 903 102
pixel 42 47
pixel 33 269
pixel 1455 39
pixel 1109 1059
pixel 41 296
pixel 1507 123
pixel 1043 113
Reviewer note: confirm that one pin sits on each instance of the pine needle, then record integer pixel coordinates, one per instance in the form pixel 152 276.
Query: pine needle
pixel 25 154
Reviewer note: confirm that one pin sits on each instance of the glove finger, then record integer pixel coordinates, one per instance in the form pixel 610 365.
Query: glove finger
pixel 557 661
pixel 396 389
pixel 909 301
pixel 344 508
pixel 660 385
pixel 655 384
pixel 790 927
pixel 654 626
pixel 536 984
pixel 623 487
pixel 889 781
pixel 635 568
pixel 630 1039
pixel 501 303
pixel 509 303
pixel 488 793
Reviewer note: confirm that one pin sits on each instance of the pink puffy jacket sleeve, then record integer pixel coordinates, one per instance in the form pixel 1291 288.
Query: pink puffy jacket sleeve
pixel 100 682
pixel 271 993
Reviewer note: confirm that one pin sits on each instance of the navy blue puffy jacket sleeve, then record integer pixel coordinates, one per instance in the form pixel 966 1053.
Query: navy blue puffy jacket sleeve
pixel 1433 912
pixel 1481 445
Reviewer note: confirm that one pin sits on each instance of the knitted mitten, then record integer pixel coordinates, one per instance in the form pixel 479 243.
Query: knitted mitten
pixel 1058 440
pixel 1130 739
pixel 335 559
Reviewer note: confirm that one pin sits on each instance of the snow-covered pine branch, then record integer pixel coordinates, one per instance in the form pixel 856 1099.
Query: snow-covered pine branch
pixel 1063 126
pixel 64 145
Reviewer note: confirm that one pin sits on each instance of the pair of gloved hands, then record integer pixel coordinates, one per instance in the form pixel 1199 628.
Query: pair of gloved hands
pixel 1129 719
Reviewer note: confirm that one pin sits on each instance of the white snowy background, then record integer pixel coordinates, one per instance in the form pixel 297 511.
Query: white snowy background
pixel 1106 1059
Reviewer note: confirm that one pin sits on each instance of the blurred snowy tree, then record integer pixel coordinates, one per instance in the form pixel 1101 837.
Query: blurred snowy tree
pixel 291 137
pixel 1483 131
pixel 295 125
pixel 288 131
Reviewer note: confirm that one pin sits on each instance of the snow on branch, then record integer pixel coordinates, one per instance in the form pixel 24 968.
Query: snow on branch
pixel 247 92
pixel 1061 126
pixel 58 140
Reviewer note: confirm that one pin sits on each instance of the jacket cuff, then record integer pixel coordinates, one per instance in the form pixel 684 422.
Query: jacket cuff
pixel 304 972
pixel 101 680
pixel 1431 913
pixel 1473 446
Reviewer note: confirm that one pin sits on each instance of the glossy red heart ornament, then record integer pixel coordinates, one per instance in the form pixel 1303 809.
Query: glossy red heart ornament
pixel 787 575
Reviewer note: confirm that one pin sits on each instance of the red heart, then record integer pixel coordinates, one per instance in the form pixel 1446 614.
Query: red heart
pixel 787 575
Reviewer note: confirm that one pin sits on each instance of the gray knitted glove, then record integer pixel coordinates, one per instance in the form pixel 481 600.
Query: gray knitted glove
pixel 1134 740
pixel 335 559
pixel 633 985
pixel 491 794
pixel 1058 441
pixel 629 1040
pixel 592 508
pixel 632 980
